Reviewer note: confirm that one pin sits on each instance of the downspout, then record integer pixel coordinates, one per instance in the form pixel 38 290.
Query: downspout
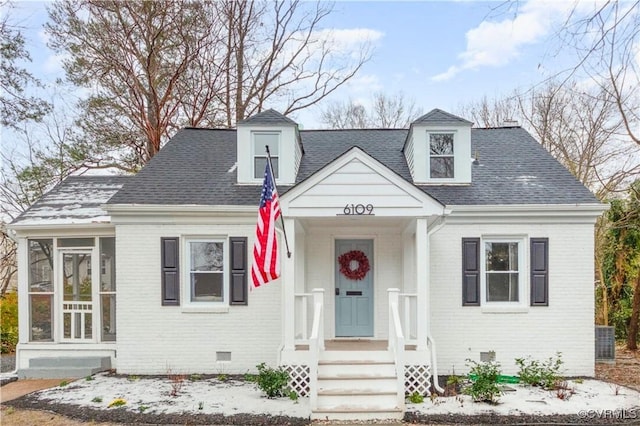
pixel 430 342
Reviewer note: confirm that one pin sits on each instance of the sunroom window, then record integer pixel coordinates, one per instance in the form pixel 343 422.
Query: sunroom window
pixel 41 290
pixel 206 270
pixel 441 158
pixel 108 288
pixel 72 290
pixel 260 140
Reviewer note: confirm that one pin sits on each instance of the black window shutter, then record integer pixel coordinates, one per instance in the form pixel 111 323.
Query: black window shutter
pixel 238 276
pixel 170 271
pixel 539 272
pixel 471 272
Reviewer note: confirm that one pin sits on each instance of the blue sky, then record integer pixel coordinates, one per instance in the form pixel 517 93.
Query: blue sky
pixel 440 54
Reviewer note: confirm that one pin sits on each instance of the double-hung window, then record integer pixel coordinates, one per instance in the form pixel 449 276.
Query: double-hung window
pixel 441 159
pixel 260 140
pixel 503 267
pixel 206 269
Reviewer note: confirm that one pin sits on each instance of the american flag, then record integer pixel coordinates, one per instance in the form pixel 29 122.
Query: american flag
pixel 266 260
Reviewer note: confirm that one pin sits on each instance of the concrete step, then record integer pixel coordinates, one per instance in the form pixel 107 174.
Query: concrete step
pixel 357 401
pixel 57 373
pixel 357 384
pixel 358 356
pixel 64 367
pixel 84 361
pixel 349 369
pixel 373 413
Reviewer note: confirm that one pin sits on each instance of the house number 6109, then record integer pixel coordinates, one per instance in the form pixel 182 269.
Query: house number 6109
pixel 358 209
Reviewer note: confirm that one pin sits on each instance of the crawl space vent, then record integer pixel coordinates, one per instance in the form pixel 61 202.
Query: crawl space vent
pixel 223 356
pixel 488 356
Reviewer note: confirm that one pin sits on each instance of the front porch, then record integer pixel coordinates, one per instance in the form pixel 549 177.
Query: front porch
pixel 361 378
pixel 356 204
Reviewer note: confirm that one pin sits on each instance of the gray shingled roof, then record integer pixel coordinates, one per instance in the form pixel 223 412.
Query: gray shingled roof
pixel 269 117
pixel 196 167
pixel 76 200
pixel 440 117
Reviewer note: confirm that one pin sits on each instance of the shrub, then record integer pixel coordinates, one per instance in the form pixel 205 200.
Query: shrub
pixel 484 388
pixel 453 385
pixel 272 381
pixel 9 322
pixel 537 373
pixel 416 398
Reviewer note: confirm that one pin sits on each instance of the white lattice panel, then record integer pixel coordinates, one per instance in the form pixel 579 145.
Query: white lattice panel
pixel 298 378
pixel 417 378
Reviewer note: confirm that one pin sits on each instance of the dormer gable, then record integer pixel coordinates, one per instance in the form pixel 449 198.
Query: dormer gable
pixel 438 149
pixel 281 134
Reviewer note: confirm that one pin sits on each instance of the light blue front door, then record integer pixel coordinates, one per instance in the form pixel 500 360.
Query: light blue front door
pixel 354 298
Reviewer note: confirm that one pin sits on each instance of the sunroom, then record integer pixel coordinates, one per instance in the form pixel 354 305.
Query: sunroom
pixel 67 280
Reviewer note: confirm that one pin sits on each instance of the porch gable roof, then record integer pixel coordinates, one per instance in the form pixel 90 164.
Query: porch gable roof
pixel 355 183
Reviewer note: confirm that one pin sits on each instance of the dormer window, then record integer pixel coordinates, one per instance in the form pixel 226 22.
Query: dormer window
pixel 441 157
pixel 260 140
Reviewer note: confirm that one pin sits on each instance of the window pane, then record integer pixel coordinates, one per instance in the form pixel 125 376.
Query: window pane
pixel 259 163
pixel 41 315
pixel 108 264
pixel 75 242
pixel 262 139
pixel 206 256
pixel 502 287
pixel 501 256
pixel 441 143
pixel 441 167
pixel 206 287
pixel 76 279
pixel 88 325
pixel 40 265
pixel 108 309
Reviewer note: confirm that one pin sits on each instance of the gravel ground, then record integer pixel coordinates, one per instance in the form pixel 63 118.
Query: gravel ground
pixel 88 414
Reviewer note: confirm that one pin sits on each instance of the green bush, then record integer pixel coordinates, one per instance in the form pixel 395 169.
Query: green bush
pixel 416 398
pixel 273 382
pixel 484 388
pixel 537 373
pixel 8 322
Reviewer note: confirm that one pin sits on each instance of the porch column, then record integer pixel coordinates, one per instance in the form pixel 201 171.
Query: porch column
pixel 288 281
pixel 422 283
pixel 24 327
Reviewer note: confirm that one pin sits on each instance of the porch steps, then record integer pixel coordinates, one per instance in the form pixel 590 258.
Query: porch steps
pixel 64 367
pixel 357 385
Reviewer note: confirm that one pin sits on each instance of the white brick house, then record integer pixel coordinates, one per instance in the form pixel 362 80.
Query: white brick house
pixel 477 241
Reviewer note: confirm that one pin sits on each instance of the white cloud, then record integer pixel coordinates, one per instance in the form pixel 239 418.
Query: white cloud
pixel 497 43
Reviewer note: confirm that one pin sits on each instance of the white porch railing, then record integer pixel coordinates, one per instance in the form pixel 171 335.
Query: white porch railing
pixel 396 342
pixel 408 307
pixel 301 311
pixel 77 318
pixel 316 345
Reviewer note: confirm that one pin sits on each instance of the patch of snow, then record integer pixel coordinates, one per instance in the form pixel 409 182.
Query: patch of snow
pixel 589 395
pixel 216 397
pixel 527 180
pixel 211 396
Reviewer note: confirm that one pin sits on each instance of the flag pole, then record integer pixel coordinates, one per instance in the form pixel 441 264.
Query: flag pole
pixel 273 177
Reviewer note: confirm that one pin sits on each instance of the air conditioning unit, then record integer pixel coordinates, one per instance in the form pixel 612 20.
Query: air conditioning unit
pixel 605 343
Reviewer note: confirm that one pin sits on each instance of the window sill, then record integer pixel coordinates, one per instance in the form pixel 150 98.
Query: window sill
pixel 205 309
pixel 505 309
